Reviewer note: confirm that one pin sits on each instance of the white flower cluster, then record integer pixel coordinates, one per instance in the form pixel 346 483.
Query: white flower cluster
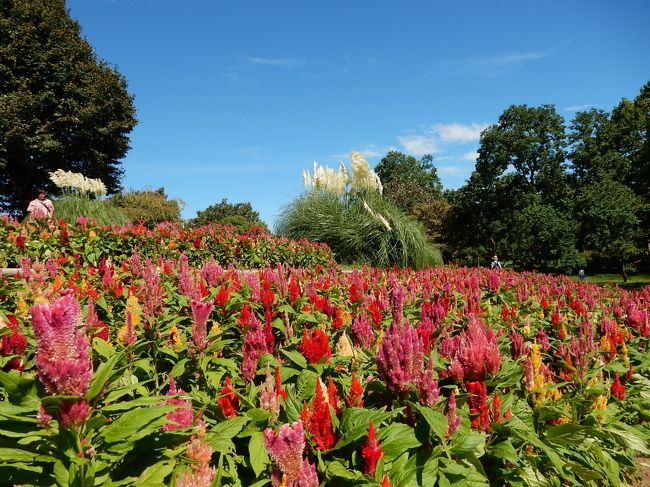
pixel 329 179
pixel 77 181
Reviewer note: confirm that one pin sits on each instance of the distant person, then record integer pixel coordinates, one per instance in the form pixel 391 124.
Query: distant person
pixel 495 263
pixel 40 207
pixel 581 274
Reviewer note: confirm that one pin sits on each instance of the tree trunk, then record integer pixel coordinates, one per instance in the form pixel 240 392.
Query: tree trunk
pixel 623 269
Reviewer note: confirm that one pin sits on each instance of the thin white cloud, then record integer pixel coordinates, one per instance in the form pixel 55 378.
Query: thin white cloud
pixel 451 170
pixel 579 108
pixel 458 133
pixel 420 144
pixel 277 62
pixel 470 156
pixel 439 136
pixel 488 66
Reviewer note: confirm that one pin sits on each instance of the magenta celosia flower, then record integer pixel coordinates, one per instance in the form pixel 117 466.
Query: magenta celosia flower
pixel 150 291
pixel 253 348
pixel 51 267
pixel 73 414
pixel 476 354
pixel 428 386
pixel 180 418
pixel 362 331
pixel 453 419
pixel 286 448
pixel 397 299
pixel 62 359
pixel 400 358
pixel 200 314
pixel 211 272
pixel 186 285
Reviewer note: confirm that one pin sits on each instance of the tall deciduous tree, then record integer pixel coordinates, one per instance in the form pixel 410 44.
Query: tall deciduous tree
pixel 407 181
pixel 60 107
pixel 242 215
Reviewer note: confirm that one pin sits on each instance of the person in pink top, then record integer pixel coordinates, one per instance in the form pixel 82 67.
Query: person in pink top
pixel 41 207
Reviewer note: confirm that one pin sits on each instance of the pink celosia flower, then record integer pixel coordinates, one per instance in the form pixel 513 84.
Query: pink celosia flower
pixel 307 476
pixel 269 397
pixel 453 419
pixel 62 359
pixel 43 418
pixel 477 353
pixel 150 291
pixel 428 386
pixel 199 453
pixel 400 358
pixel 286 448
pixel 180 418
pixel 362 331
pixel 73 414
pixel 200 314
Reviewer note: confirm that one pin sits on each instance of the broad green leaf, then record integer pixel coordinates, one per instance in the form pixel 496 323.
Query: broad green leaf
pixel 155 475
pixel 102 374
pixel 395 439
pixel 229 428
pixel 295 357
pixel 259 458
pixel 136 424
pixel 436 421
pixel 335 469
pixel 61 474
pixel 179 368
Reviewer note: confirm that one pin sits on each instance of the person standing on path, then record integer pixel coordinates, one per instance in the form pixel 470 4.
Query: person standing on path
pixel 41 207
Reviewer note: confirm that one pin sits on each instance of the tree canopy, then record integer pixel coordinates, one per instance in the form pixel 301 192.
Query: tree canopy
pixel 147 206
pixel 242 215
pixel 60 107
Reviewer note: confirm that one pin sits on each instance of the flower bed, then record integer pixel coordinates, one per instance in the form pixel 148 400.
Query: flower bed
pixel 151 372
pixel 89 244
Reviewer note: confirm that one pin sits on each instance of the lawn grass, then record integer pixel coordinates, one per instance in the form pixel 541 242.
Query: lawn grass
pixel 633 281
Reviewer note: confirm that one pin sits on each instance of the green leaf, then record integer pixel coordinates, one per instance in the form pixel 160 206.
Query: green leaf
pixel 178 369
pixel 436 421
pixel 229 428
pixel 295 357
pixel 504 451
pixel 259 458
pixel 335 469
pixel 102 374
pixel 395 439
pixel 61 474
pixel 136 424
pixel 154 475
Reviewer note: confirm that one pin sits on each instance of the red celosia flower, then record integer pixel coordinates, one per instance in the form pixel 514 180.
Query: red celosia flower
pixel 375 312
pixel 385 482
pixel 267 295
pixel 228 401
pixel 222 296
pixel 315 346
pixel 73 414
pixel 279 390
pixel 294 290
pixel 618 389
pixel 355 295
pixel 318 421
pixel 333 396
pixel 371 451
pixel 478 406
pixel 495 412
pixel 356 393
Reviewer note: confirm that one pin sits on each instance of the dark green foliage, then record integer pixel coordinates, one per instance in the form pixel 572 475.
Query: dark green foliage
pixel 241 215
pixel 61 108
pixel 70 207
pixel 352 227
pixel 407 181
pixel 149 207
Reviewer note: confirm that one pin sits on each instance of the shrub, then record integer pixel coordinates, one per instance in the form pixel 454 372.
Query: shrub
pixel 71 206
pixel 147 206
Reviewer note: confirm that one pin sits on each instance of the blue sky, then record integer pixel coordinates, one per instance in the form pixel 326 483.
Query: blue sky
pixel 235 99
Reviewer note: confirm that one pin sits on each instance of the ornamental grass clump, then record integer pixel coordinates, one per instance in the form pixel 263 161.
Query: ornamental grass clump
pixel 81 198
pixel 350 215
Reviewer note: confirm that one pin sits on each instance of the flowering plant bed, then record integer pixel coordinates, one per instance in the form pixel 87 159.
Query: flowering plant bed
pixel 170 372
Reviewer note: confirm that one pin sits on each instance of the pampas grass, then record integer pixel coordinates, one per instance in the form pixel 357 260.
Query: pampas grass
pixel 360 228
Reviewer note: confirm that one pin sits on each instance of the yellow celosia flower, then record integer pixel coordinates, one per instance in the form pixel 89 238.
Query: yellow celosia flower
pixel 91 235
pixel 22 308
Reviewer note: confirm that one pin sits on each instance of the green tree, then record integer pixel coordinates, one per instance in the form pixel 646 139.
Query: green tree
pixel 521 162
pixel 408 181
pixel 150 207
pixel 241 215
pixel 609 211
pixel 60 107
pixel 544 239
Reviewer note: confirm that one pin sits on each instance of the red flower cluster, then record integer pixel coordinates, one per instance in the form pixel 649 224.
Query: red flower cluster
pixel 228 401
pixel 315 346
pixel 355 397
pixel 618 389
pixel 371 451
pixel 318 421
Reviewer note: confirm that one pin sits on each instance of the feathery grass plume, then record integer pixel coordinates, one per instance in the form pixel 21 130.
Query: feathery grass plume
pixel 363 178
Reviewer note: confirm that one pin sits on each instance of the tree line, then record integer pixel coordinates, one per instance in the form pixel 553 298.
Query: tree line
pixel 545 194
